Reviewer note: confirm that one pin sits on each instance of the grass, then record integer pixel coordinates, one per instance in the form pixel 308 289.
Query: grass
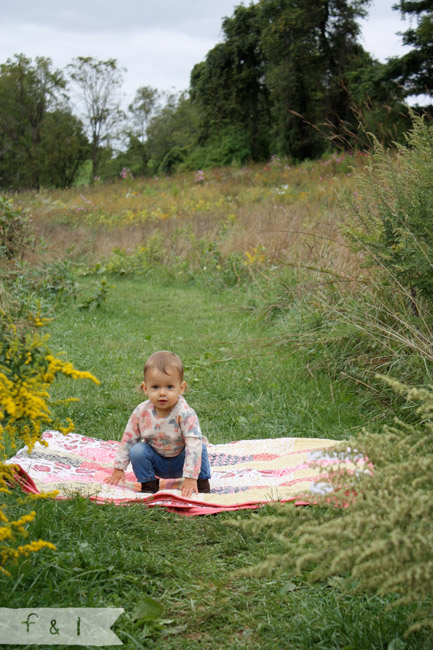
pixel 114 556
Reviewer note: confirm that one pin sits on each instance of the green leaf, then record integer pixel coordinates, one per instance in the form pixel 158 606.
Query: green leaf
pixel 148 610
pixel 287 587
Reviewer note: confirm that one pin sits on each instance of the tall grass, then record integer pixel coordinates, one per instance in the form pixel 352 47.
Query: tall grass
pixel 273 206
pixel 378 543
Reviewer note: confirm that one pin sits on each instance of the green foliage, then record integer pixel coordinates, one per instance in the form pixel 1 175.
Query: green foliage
pixel 229 91
pixel 97 299
pixel 414 70
pixel 281 72
pixel 241 388
pixel 232 146
pixel 246 381
pixel 380 542
pixel 142 108
pixel 135 158
pixel 56 279
pixel 27 370
pixel 29 91
pixel 391 210
pixel 288 77
pixel 309 54
pixel 65 147
pixel 15 233
pixel 30 288
pixel 376 108
pixel 133 263
pixel 172 133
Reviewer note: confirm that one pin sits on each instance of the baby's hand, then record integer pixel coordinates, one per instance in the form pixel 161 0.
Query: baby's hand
pixel 189 486
pixel 116 476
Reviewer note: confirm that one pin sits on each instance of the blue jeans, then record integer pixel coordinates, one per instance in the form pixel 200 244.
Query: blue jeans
pixel 146 463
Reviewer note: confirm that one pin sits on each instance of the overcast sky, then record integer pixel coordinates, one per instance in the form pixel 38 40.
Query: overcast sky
pixel 157 41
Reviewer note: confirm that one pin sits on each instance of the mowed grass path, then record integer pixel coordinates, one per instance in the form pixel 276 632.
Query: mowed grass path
pixel 239 385
pixel 118 556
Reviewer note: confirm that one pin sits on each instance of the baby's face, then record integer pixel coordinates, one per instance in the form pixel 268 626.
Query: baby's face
pixel 163 389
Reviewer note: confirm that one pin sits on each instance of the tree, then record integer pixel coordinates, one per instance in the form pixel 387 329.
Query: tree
pixel 294 73
pixel 172 133
pixel 142 107
pixel 282 69
pixel 98 84
pixel 141 110
pixel 309 47
pixel 377 105
pixel 28 91
pixel 414 70
pixel 65 148
pixel 228 87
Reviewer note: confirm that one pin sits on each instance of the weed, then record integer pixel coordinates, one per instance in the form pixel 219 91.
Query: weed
pixel 96 300
pixel 15 233
pixel 247 276
pixel 129 556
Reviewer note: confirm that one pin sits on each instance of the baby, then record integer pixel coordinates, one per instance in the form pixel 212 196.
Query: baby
pixel 162 437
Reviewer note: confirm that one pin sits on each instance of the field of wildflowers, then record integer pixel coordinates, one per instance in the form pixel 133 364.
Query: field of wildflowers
pixel 271 208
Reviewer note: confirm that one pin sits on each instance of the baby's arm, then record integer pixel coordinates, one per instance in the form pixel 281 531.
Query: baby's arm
pixel 193 442
pixel 130 436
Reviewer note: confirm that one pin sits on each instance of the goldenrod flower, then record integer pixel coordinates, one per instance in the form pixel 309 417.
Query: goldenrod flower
pixel 27 370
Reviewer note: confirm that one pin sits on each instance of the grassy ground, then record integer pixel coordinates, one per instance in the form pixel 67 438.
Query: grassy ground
pixel 112 556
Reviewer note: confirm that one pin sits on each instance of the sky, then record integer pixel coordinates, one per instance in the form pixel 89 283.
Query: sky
pixel 157 41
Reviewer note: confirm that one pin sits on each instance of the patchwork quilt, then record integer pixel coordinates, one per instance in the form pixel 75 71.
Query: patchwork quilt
pixel 245 473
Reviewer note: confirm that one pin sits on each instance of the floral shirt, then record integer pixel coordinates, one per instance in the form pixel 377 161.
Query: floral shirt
pixel 168 436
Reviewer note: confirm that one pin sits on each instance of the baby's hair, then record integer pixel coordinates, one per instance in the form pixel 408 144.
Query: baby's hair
pixel 163 361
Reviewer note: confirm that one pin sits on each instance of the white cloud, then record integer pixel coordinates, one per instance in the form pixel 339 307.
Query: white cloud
pixel 162 58
pixel 380 30
pixel 158 42
pixel 89 16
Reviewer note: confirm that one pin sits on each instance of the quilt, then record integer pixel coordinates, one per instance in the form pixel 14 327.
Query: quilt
pixel 245 473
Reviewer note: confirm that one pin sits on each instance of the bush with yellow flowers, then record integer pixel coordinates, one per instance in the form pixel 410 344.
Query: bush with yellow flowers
pixel 27 370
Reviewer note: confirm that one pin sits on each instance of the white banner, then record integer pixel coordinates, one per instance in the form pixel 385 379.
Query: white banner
pixel 65 625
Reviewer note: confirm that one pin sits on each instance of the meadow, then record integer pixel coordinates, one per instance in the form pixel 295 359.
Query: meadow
pixel 268 207
pixel 246 273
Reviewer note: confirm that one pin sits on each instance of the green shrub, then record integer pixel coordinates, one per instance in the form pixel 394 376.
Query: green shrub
pixel 14 230
pixel 28 288
pixel 380 542
pixel 391 220
pixel 136 262
pixel 377 317
pixel 231 147
pixel 98 298
pixel 27 370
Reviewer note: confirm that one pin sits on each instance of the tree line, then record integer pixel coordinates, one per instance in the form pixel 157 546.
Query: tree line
pixel 289 77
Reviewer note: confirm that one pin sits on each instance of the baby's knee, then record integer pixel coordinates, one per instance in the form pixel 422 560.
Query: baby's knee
pixel 138 450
